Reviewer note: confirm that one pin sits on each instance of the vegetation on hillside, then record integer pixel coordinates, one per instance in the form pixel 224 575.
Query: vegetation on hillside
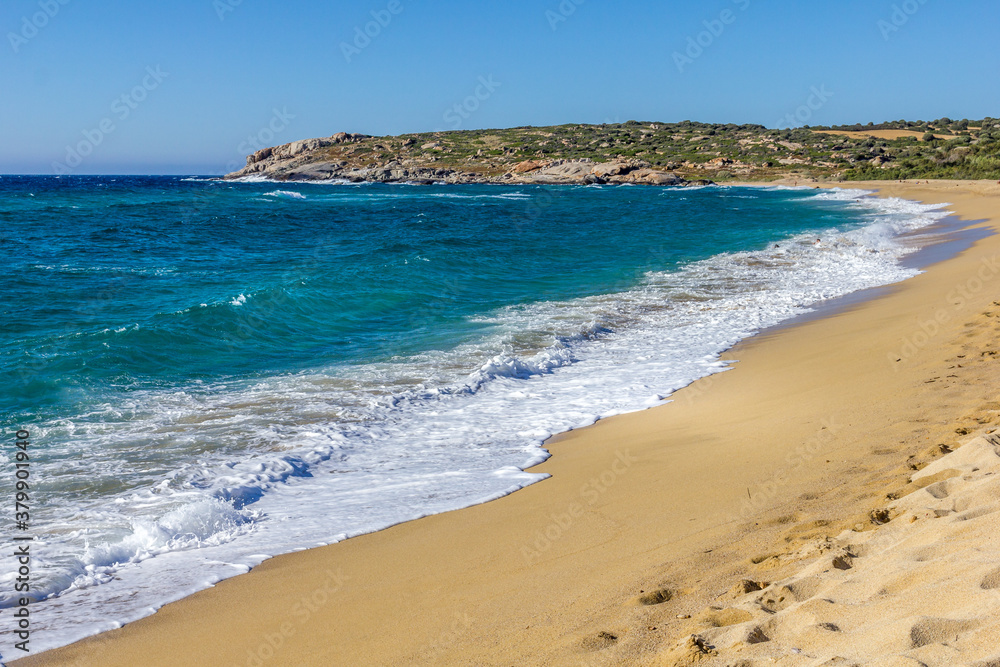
pixel 937 149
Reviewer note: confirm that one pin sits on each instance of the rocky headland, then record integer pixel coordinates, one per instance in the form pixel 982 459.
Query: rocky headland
pixel 330 159
pixel 641 153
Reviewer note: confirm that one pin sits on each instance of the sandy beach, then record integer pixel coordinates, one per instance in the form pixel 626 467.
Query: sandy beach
pixel 831 500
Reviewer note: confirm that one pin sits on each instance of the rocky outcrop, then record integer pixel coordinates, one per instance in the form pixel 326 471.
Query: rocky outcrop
pixel 610 170
pixel 562 171
pixel 314 159
pixel 528 165
pixel 653 177
pixel 290 150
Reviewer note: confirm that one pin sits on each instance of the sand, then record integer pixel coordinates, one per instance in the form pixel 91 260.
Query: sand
pixel 883 134
pixel 772 514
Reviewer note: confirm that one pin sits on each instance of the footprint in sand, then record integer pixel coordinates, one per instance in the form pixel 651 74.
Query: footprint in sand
pixel 929 553
pixel 991 581
pixel 600 641
pixel 939 490
pixel 808 531
pixel 656 597
pixel 975 514
pixel 692 650
pixel 937 630
pixel 756 636
pixel 747 586
pixel 723 618
pixel 778 598
pixel 843 562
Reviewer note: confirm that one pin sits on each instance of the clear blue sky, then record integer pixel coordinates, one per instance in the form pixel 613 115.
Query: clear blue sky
pixel 229 65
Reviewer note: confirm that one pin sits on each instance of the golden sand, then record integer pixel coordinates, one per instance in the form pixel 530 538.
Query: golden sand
pixel 882 134
pixel 772 514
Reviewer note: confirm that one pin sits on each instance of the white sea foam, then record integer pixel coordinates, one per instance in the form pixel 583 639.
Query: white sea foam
pixel 505 195
pixel 253 178
pixel 294 461
pixel 285 193
pixel 257 178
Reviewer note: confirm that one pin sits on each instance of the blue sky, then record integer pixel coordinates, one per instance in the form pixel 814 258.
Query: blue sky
pixel 189 86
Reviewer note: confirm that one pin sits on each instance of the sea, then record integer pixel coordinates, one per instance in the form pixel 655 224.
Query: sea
pixel 212 373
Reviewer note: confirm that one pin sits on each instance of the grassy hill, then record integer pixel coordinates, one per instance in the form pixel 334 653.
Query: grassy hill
pixel 897 150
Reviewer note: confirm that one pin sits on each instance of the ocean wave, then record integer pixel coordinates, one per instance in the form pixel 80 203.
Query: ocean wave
pixel 253 178
pixel 198 524
pixel 258 179
pixel 285 193
pixel 513 196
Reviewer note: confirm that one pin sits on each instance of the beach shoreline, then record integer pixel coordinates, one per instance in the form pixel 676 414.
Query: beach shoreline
pixel 643 508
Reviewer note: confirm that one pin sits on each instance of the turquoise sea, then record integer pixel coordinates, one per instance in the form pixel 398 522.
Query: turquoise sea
pixel 216 372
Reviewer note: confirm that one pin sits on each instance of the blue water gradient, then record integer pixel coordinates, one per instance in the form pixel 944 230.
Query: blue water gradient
pixel 118 284
pixel 214 372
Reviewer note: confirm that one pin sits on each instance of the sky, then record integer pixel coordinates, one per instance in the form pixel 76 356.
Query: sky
pixel 193 86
